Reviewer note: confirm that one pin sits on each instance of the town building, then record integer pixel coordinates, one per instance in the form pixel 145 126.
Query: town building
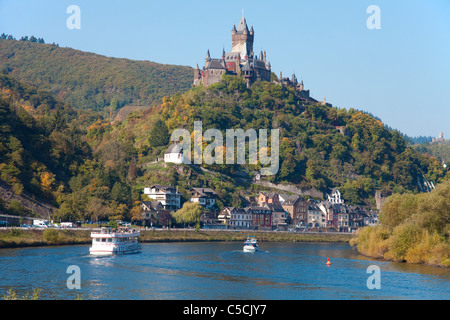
pixel 316 218
pixel 371 219
pixel 209 220
pixel 169 196
pixel 279 216
pixel 343 218
pixel 206 197
pixel 357 217
pixel 331 212
pixel 241 218
pixel 261 218
pixel 296 207
pixel 152 212
pixel 224 216
pixel 268 197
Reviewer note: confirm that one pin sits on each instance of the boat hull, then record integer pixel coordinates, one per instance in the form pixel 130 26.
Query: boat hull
pixel 250 248
pixel 114 250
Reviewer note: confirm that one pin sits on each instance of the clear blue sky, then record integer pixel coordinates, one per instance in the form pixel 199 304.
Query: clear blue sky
pixel 399 73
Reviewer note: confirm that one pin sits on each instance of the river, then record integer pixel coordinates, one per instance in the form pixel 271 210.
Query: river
pixel 218 271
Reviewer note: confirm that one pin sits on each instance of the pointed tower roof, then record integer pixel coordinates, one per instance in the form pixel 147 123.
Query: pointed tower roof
pixel 247 66
pixel 242 25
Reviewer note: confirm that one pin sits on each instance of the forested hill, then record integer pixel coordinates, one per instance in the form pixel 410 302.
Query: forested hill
pixel 88 80
pixel 320 146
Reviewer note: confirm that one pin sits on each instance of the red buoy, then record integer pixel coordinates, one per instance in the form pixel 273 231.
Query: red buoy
pixel 328 262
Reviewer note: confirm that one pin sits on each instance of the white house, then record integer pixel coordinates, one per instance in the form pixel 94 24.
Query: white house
pixel 174 154
pixel 335 197
pixel 169 196
pixel 236 218
pixel 241 218
pixel 316 218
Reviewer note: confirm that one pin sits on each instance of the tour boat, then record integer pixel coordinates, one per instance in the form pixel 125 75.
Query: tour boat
pixel 108 242
pixel 250 244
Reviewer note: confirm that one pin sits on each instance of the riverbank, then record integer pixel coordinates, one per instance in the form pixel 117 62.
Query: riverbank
pixel 406 243
pixel 17 238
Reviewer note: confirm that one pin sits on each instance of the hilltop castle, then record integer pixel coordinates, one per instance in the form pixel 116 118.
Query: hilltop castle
pixel 241 60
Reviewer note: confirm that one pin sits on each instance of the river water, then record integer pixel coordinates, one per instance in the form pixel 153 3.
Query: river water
pixel 217 270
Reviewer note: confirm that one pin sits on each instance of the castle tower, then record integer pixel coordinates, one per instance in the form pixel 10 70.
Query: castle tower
pixel 301 87
pixel 197 75
pixel 208 58
pixel 242 39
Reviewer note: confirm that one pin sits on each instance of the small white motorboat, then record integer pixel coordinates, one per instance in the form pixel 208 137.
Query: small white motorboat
pixel 250 244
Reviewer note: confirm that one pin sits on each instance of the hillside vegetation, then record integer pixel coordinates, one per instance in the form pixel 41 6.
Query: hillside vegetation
pixel 91 81
pixel 92 168
pixel 313 153
pixel 41 146
pixel 414 229
pixel 440 150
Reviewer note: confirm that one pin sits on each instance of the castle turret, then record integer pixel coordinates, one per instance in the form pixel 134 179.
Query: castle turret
pixel 197 75
pixel 208 58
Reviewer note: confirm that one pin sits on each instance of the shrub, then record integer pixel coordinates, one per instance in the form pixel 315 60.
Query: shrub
pixel 403 238
pixel 371 241
pixel 51 235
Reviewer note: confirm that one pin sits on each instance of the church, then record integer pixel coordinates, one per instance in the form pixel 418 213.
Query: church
pixel 241 60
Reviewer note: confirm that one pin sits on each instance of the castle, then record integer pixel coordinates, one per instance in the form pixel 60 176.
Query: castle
pixel 440 139
pixel 241 60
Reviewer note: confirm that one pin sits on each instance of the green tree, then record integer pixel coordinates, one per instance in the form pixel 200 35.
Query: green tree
pixel 190 213
pixel 159 135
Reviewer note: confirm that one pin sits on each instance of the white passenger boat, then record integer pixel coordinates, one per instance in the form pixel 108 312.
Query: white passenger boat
pixel 250 244
pixel 108 242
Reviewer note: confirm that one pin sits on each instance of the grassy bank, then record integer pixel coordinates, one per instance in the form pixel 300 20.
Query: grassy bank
pixel 224 235
pixel 15 238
